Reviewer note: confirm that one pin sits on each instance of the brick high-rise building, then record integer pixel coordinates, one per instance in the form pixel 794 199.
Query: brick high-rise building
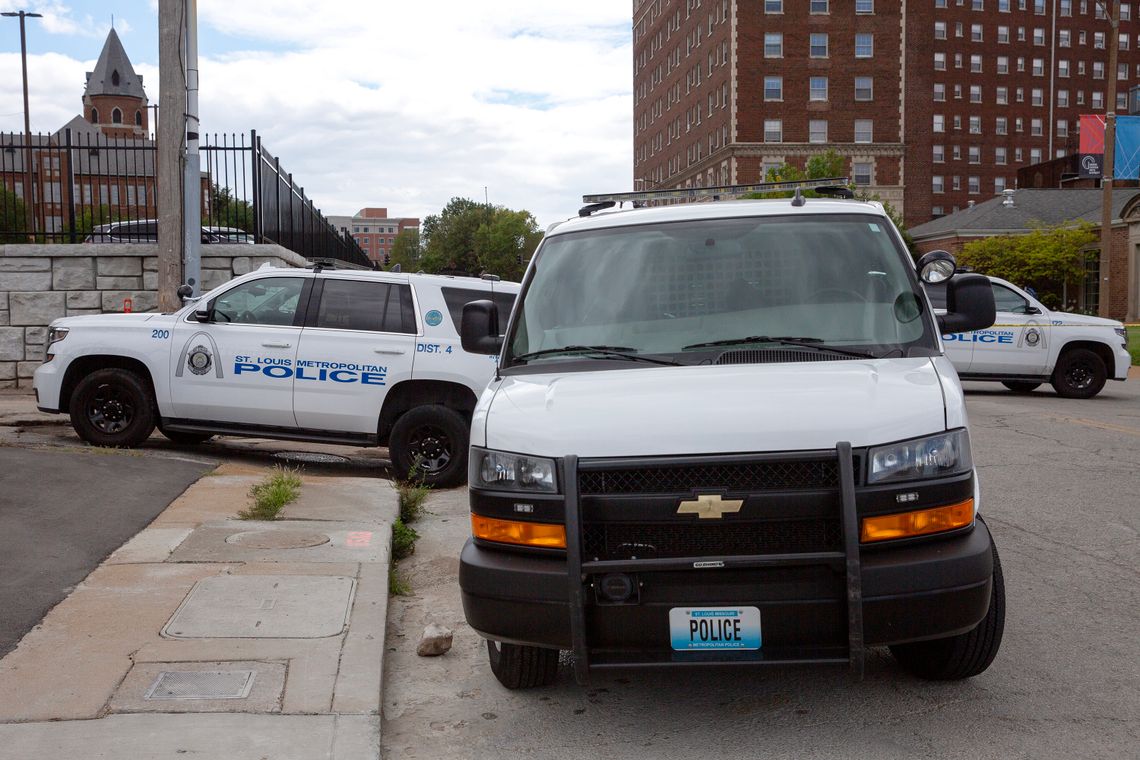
pixel 933 103
pixel 374 230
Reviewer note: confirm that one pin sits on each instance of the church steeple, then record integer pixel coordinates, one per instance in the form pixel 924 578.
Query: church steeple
pixel 114 99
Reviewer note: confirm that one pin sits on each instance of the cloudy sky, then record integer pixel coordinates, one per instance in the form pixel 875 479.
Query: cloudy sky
pixel 376 102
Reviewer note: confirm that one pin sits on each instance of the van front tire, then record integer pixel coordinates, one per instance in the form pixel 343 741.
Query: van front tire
pixel 112 407
pixel 522 667
pixel 431 440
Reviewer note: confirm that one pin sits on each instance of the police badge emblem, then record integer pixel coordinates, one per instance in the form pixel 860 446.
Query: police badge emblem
pixel 199 360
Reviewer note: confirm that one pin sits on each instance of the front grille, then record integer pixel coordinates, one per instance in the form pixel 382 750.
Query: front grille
pixel 744 477
pixel 778 356
pixel 622 541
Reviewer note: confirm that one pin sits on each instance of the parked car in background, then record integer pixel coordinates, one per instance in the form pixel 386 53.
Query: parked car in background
pixel 1030 345
pixel 146 231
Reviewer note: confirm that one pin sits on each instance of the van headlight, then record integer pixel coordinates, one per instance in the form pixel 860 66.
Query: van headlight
pixel 935 456
pixel 503 471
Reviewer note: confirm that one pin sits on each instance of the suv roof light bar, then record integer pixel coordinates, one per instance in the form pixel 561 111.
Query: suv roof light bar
pixel 695 193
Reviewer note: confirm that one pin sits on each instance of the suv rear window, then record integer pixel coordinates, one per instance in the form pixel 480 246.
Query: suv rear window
pixel 455 298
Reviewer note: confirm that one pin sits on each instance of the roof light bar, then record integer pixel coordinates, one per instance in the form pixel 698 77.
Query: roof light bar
pixel 695 193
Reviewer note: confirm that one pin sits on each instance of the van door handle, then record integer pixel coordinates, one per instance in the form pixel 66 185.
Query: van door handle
pixel 389 352
pixel 276 345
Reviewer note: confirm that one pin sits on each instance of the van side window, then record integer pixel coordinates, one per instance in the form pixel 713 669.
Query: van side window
pixel 362 305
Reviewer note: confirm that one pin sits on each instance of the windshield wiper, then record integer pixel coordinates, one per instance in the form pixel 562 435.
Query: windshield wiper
pixel 612 352
pixel 812 343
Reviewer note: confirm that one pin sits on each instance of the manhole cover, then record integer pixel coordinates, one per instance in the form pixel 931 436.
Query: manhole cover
pixel 309 457
pixel 203 684
pixel 277 539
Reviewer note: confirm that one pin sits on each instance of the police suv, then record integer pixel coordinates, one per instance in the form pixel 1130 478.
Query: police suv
pixel 333 356
pixel 1029 345
pixel 728 433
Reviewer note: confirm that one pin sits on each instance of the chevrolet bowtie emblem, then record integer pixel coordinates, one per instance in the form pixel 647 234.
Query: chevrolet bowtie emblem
pixel 711 507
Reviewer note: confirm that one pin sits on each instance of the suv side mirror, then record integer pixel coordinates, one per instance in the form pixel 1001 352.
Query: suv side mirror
pixel 969 304
pixel 204 313
pixel 479 328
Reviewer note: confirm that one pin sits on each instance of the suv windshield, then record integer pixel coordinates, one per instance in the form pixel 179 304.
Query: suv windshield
pixel 683 290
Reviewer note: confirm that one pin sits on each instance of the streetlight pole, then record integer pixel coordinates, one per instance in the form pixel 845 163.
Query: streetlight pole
pixel 29 201
pixel 1106 181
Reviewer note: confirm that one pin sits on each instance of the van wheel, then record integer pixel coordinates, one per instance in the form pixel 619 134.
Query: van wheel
pixel 185 439
pixel 112 407
pixel 1018 386
pixel 433 440
pixel 1079 373
pixel 522 667
pixel 967 654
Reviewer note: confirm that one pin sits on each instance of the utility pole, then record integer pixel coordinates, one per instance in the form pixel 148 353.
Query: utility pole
pixel 29 195
pixel 192 196
pixel 1107 175
pixel 171 132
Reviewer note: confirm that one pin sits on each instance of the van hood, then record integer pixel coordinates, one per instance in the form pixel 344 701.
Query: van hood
pixel 660 411
pixel 1085 320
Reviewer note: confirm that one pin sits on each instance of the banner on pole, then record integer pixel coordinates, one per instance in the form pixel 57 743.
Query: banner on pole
pixel 1091 161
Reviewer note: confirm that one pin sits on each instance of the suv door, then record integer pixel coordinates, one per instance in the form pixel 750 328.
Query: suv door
pixel 358 342
pixel 1017 344
pixel 239 366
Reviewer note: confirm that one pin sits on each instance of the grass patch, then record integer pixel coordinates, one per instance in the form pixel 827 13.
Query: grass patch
pixel 412 493
pixel 1134 343
pixel 397 586
pixel 412 496
pixel 403 540
pixel 270 496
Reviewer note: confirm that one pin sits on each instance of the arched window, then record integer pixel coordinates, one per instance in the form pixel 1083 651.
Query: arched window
pixel 94 115
pixel 116 116
pixel 138 118
pixel 115 77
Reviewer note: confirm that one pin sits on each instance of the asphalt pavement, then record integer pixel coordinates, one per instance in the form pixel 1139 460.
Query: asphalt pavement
pixel 1059 482
pixel 63 512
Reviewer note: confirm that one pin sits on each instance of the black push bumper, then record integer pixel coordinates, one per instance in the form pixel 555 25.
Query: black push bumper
pixel 820 607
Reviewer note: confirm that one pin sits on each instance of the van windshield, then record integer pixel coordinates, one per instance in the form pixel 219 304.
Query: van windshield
pixel 681 291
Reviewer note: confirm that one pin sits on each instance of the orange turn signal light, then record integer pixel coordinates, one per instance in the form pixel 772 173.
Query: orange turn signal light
pixel 519 533
pixel 918 523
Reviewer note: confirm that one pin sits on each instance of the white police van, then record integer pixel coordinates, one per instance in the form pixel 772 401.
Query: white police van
pixel 1029 345
pixel 337 356
pixel 727 433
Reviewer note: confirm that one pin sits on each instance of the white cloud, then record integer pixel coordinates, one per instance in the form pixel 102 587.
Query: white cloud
pixel 58 19
pixel 406 105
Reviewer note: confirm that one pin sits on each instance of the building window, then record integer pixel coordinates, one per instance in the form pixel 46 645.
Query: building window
pixel 939 123
pixel 939 154
pixel 975 32
pixel 1038 36
pixel 861 173
pixel 975 64
pixel 1017 155
pixel 1066 7
pixel 1125 12
pixel 817 88
pixel 938 183
pixel 773 6
pixel 1003 35
pixel 864 88
pixel 1038 97
pixel 975 125
pixel 939 61
pixel 977 5
pixel 773 88
pixel 115 79
pixel 1000 155
pixel 1035 156
pixel 1003 64
pixel 94 116
pixel 138 118
pixel 864 130
pixel 864 6
pixel 773 130
pixel 1002 96
pixel 975 154
pixel 1038 67
pixel 773 45
pixel 1098 69
pixel 116 116
pixel 1064 38
pixel 975 93
pixel 1062 127
pixel 1098 40
pixel 1001 126
pixel 939 30
pixel 999 185
pixel 939 92
pixel 819 6
pixel 1062 98
pixel 956 182
pixel 818 46
pixel 864 45
pixel 817 131
pixel 1062 68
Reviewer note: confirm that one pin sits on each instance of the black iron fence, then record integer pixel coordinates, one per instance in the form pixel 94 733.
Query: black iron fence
pixel 76 187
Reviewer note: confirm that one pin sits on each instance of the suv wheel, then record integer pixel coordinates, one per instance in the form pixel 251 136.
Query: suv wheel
pixel 433 440
pixel 966 654
pixel 1079 373
pixel 1020 386
pixel 112 407
pixel 522 667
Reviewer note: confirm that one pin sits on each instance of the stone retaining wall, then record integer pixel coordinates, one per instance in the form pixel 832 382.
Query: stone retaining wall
pixel 39 283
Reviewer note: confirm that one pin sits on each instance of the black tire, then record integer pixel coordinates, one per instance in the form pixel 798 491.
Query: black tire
pixel 436 438
pixel 522 667
pixel 1019 386
pixel 965 655
pixel 185 439
pixel 1080 373
pixel 113 407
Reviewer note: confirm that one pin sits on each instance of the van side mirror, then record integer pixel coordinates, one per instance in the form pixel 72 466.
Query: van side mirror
pixel 479 328
pixel 969 304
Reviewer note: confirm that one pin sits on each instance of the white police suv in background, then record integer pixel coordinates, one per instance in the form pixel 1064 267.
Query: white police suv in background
pixel 337 356
pixel 1030 345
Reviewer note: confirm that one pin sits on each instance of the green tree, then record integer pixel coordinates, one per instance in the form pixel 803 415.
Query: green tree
pixel 406 251
pixel 13 217
pixel 504 244
pixel 228 211
pixel 828 164
pixel 449 236
pixel 1049 258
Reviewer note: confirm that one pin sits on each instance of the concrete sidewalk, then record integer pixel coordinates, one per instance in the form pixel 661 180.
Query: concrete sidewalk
pixel 18 408
pixel 206 635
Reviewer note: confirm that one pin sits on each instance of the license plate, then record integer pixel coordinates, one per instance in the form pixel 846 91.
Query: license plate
pixel 710 628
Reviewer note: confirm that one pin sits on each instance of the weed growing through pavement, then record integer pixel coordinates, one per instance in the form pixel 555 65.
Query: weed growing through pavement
pixel 412 493
pixel 270 496
pixel 396 585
